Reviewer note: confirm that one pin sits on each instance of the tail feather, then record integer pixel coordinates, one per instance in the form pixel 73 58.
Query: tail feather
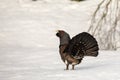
pixel 92 47
pixel 95 54
pixel 86 44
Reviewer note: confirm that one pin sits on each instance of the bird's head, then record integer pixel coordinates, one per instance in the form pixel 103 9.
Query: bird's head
pixel 60 33
pixel 63 36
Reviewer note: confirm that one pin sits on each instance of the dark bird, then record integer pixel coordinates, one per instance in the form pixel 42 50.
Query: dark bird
pixel 72 51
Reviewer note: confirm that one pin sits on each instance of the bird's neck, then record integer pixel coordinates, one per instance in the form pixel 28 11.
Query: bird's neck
pixel 64 40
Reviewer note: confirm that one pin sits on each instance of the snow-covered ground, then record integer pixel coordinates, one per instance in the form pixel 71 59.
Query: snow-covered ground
pixel 26 23
pixel 29 47
pixel 43 64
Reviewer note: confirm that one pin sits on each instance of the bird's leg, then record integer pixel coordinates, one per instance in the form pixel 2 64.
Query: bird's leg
pixel 73 67
pixel 67 66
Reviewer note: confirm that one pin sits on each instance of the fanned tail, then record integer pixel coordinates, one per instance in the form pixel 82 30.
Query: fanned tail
pixel 82 45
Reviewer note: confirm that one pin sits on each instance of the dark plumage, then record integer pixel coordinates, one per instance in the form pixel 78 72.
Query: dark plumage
pixel 73 50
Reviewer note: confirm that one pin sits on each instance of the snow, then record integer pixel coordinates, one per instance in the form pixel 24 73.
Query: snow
pixel 26 23
pixel 42 64
pixel 29 47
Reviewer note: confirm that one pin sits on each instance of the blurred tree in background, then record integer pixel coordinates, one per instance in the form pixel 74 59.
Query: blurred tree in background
pixel 105 24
